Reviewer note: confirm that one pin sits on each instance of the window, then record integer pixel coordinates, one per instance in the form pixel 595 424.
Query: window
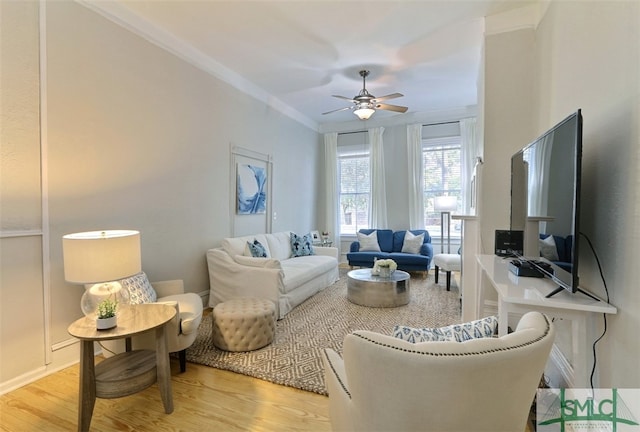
pixel 441 159
pixel 355 189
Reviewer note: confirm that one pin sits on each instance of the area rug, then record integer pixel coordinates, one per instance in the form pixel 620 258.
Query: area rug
pixel 294 358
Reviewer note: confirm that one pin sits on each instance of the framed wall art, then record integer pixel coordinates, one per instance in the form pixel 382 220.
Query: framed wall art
pixel 250 180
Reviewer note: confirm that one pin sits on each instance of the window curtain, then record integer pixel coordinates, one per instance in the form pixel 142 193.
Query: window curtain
pixel 470 152
pixel 378 210
pixel 539 160
pixel 416 176
pixel 331 187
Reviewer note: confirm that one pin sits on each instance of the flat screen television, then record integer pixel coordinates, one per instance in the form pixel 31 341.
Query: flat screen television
pixel 545 184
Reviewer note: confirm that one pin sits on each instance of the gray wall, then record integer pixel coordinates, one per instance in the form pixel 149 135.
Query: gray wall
pixel 135 138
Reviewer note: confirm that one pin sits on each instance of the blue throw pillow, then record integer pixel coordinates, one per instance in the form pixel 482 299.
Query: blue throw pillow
pixel 301 245
pixel 257 250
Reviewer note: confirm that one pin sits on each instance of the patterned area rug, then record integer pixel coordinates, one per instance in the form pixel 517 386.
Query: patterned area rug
pixel 294 358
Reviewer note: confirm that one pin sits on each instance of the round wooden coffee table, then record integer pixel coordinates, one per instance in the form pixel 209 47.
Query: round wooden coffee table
pixel 365 289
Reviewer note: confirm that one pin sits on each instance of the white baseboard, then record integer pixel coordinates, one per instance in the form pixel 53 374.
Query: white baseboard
pixel 490 308
pixel 204 295
pixel 65 355
pixel 559 371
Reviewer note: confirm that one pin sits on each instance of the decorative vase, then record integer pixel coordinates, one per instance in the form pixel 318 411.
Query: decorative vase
pixel 385 272
pixel 106 323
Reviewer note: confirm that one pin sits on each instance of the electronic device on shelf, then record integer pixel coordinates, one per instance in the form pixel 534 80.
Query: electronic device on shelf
pixel 545 184
pixel 509 243
pixel 530 268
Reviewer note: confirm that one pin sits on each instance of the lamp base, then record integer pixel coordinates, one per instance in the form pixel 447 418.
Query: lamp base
pixel 98 294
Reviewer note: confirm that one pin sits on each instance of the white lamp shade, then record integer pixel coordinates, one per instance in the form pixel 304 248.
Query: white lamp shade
pixel 445 203
pixel 101 256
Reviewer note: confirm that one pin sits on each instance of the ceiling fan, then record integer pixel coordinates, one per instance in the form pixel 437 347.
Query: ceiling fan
pixel 365 104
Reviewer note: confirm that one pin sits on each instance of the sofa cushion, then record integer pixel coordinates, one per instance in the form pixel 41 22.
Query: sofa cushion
pixel 257 262
pixel 300 270
pixel 301 245
pixel 256 249
pixel 280 245
pixel 368 242
pixel 412 243
pixel 485 327
pixel 408 259
pixel 238 245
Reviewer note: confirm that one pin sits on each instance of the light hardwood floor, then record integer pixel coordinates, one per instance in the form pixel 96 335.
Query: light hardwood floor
pixel 205 399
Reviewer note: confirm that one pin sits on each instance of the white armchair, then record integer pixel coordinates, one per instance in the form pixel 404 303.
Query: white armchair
pixel 487 384
pixel 181 331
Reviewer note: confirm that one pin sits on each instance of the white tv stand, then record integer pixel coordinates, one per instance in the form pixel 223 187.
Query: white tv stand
pixel 523 294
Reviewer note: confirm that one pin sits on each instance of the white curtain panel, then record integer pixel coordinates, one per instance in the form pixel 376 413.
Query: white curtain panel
pixel 331 187
pixel 416 176
pixel 470 154
pixel 378 210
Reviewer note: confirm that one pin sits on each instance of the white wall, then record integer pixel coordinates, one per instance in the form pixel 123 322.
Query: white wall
pixel 136 138
pixel 589 58
pixel 581 55
pixel 22 322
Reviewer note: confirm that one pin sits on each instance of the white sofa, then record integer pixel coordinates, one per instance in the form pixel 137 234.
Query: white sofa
pixel 285 280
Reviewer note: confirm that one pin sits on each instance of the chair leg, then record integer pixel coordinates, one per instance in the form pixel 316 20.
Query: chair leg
pixel 448 281
pixel 437 270
pixel 182 355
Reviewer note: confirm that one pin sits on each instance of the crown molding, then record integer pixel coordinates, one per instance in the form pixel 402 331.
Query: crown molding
pixel 124 17
pixel 527 17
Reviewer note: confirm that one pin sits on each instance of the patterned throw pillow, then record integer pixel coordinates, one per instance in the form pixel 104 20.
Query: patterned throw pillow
pixel 301 245
pixel 412 243
pixel 485 327
pixel 257 250
pixel 140 289
pixel 369 242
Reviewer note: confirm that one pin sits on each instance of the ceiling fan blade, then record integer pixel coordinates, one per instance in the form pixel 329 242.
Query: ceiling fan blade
pixel 336 110
pixel 344 97
pixel 396 108
pixel 389 96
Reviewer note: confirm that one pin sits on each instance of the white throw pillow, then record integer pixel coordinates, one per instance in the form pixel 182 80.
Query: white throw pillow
pixel 548 249
pixel 484 327
pixel 412 243
pixel 140 289
pixel 369 242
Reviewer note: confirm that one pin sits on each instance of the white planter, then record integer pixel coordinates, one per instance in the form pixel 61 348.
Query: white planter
pixel 106 323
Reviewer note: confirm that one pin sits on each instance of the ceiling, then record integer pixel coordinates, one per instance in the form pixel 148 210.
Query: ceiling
pixel 297 54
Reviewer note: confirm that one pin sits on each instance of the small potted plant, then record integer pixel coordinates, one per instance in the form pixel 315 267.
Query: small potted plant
pixel 106 316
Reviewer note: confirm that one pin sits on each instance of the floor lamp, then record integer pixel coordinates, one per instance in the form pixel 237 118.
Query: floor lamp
pixel 445 205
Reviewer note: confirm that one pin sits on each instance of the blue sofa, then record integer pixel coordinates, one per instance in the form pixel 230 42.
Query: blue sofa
pixel 390 248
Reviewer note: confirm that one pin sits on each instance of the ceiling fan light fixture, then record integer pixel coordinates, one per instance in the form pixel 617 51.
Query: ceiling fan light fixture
pixel 364 113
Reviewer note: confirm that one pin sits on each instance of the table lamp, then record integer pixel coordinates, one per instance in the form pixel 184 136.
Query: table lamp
pixel 101 258
pixel 445 205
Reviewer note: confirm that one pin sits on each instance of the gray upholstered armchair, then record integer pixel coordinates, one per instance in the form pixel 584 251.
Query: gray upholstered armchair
pixel 487 384
pixel 181 331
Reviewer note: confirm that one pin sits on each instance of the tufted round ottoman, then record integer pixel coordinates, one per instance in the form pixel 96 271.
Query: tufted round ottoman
pixel 244 324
